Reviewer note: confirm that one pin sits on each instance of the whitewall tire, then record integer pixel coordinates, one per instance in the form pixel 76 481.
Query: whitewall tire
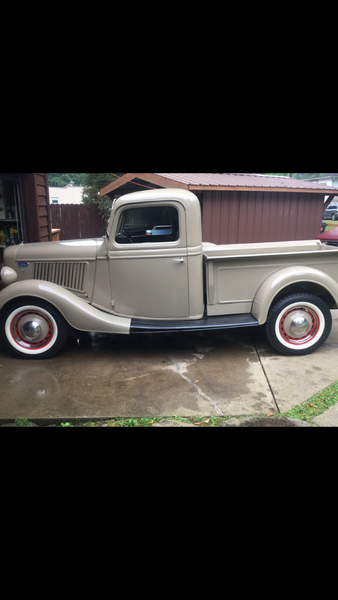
pixel 298 324
pixel 33 329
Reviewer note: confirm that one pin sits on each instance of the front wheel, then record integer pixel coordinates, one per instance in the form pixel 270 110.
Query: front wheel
pixel 298 324
pixel 32 329
pixel 333 217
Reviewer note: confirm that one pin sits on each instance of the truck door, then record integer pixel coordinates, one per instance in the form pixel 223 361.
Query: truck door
pixel 148 261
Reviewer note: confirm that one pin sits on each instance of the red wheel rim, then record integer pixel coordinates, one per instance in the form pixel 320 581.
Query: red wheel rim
pixel 17 329
pixel 299 317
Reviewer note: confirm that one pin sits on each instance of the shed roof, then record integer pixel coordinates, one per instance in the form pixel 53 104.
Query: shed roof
pixel 214 181
pixel 240 180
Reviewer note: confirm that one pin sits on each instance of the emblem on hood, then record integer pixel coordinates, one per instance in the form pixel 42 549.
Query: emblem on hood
pixel 23 265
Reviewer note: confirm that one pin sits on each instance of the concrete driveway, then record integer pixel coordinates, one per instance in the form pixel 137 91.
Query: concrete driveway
pixel 213 373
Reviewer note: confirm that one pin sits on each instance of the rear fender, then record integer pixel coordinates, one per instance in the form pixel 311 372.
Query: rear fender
pixel 78 313
pixel 279 280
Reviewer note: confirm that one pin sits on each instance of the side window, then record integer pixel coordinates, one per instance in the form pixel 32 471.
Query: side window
pixel 147 224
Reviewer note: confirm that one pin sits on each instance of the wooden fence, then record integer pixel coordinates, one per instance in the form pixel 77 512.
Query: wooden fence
pixel 77 221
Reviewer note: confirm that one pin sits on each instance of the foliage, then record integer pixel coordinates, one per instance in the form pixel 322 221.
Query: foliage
pixel 315 405
pixel 298 175
pixel 20 422
pixel 149 421
pixel 93 182
pixel 63 179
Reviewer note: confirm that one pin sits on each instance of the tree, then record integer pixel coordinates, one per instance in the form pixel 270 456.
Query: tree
pixel 298 175
pixel 93 182
pixel 63 179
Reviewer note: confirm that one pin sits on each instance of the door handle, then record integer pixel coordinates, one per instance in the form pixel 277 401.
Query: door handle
pixel 179 260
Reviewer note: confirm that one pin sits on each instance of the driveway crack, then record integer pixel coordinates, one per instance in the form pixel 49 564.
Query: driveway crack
pixel 266 377
pixel 197 387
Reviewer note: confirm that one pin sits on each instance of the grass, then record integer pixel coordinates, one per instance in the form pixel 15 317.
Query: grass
pixel 330 224
pixel 149 421
pixel 316 405
pixel 21 422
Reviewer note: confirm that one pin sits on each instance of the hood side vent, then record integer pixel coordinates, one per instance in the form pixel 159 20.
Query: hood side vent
pixel 68 275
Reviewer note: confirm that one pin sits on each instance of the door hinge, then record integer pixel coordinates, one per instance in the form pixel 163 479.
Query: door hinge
pixel 112 303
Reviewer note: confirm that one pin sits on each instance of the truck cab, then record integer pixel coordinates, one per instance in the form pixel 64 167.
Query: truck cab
pixel 158 276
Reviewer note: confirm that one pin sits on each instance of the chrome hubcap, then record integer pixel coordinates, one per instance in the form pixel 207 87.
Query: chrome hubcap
pixel 299 325
pixel 32 330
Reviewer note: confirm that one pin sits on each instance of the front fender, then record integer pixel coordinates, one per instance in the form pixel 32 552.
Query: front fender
pixel 279 280
pixel 78 313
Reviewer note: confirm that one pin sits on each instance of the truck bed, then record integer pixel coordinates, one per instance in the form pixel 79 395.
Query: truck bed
pixel 234 273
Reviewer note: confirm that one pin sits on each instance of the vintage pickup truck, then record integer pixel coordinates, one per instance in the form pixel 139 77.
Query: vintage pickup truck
pixel 130 282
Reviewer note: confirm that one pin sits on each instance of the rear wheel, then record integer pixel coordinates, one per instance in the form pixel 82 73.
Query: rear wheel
pixel 333 217
pixel 298 324
pixel 33 329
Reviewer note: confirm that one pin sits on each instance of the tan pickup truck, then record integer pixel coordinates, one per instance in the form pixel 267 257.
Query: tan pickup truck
pixel 151 273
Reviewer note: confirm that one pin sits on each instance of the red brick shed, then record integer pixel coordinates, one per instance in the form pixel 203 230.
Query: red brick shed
pixel 242 207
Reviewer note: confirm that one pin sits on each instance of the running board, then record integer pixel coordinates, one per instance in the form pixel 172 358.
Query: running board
pixel 206 323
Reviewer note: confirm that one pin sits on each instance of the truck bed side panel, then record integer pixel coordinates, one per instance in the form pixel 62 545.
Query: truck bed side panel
pixel 235 274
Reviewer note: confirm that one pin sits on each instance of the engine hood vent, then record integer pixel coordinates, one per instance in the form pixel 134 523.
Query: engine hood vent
pixel 70 275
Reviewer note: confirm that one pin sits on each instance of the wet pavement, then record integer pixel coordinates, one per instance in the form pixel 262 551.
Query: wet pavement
pixel 212 373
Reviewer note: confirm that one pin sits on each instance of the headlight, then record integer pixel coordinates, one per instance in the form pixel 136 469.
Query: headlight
pixel 7 276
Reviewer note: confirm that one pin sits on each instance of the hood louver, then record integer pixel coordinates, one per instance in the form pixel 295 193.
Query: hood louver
pixel 68 275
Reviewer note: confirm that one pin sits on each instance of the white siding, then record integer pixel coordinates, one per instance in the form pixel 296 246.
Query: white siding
pixel 66 195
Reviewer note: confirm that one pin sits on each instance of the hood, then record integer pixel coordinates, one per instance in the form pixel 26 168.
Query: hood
pixel 70 263
pixel 63 251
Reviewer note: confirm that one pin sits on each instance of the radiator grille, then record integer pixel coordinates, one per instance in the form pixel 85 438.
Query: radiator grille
pixel 68 275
